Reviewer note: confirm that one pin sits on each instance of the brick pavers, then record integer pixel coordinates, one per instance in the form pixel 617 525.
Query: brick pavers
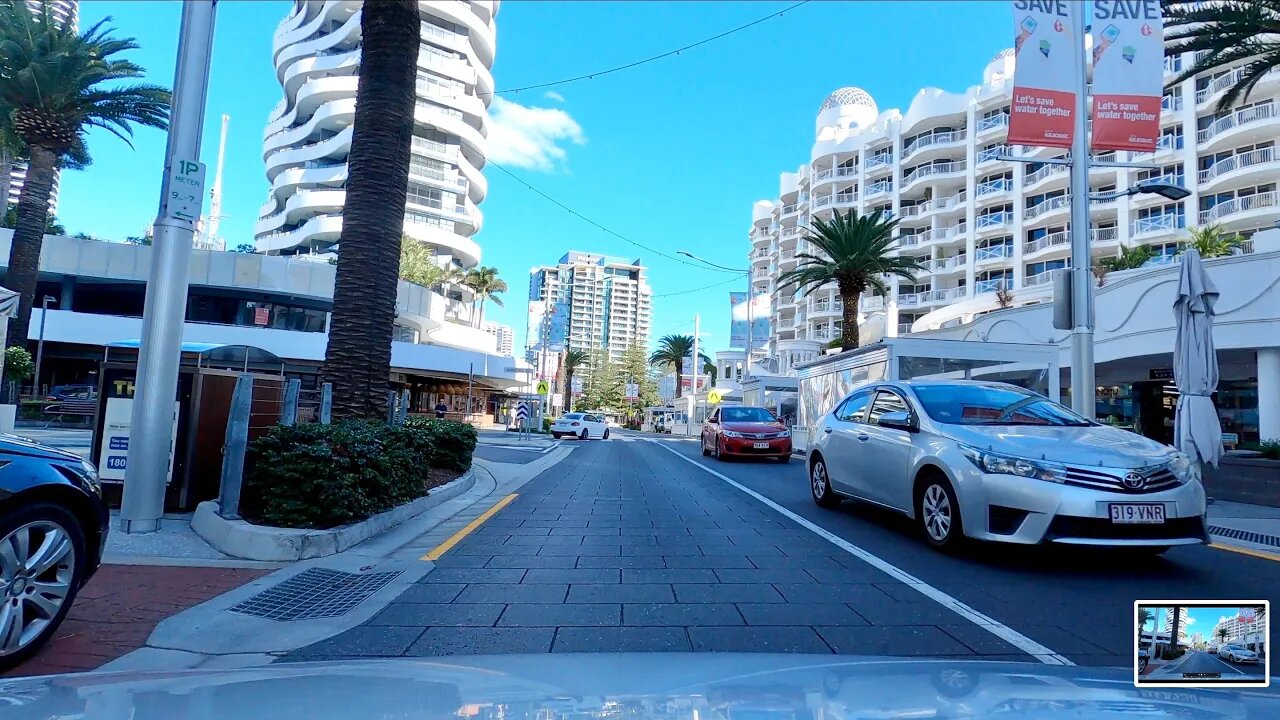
pixel 116 612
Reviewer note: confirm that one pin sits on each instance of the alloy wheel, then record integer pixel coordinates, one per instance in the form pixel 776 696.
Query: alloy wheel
pixel 818 478
pixel 37 566
pixel 937 513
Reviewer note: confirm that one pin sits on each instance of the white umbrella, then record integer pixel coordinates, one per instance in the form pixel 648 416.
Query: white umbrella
pixel 1196 431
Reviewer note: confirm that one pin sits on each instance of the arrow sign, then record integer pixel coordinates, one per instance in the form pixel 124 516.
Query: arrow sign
pixel 522 412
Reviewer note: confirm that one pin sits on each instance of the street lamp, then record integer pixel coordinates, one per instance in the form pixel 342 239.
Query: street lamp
pixel 1163 189
pixel 44 312
pixel 746 373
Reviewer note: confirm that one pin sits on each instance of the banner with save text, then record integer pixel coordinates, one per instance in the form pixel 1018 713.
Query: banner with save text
pixel 1044 99
pixel 1128 74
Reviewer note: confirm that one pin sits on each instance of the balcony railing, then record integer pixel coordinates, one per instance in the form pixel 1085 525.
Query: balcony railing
pixel 788 209
pixel 1219 84
pixel 1158 223
pixel 1246 203
pixel 876 188
pixel 945 264
pixel 1044 172
pixel 1038 279
pixel 878 161
pixel 823 174
pixel 1235 119
pixel 846 171
pixel 822 201
pixel 937 138
pixel 993 122
pixel 986 286
pixel 992 220
pixel 1235 162
pixel 992 153
pixel 1044 206
pixel 907 211
pixel 871 302
pixel 904 327
pixel 845 198
pixel 991 187
pixel 914 239
pixel 1172 103
pixel 994 252
pixel 1173 64
pixel 952 232
pixel 936 169
pixel 1107 234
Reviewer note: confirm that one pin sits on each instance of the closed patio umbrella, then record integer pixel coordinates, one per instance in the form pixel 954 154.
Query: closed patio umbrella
pixel 1196 430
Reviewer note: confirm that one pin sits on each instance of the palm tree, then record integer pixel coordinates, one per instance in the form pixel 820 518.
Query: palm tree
pixel 358 357
pixel 671 352
pixel 1221 632
pixel 1212 241
pixel 573 359
pixel 1128 258
pixel 486 285
pixel 1232 32
pixel 854 254
pixel 56 83
pixel 1144 617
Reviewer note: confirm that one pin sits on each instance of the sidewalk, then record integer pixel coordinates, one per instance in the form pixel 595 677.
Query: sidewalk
pixel 1254 527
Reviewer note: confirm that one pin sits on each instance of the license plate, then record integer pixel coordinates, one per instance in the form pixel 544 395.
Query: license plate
pixel 760 446
pixel 1137 513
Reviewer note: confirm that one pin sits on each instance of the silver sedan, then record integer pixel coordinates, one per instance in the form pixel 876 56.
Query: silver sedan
pixel 992 461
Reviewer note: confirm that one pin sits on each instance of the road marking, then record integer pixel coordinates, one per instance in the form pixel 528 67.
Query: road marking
pixel 1000 630
pixel 1247 551
pixel 454 539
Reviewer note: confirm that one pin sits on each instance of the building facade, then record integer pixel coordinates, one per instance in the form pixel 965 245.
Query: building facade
pixel 587 302
pixel 316 56
pixel 979 223
pixel 504 336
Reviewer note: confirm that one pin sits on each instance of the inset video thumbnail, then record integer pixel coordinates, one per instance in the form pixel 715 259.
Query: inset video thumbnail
pixel 1202 643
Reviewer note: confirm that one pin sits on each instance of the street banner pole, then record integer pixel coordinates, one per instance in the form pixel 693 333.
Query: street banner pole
pixel 160 350
pixel 1083 385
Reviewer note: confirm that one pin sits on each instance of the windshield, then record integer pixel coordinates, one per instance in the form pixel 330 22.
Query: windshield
pixel 992 405
pixel 747 415
pixel 572 416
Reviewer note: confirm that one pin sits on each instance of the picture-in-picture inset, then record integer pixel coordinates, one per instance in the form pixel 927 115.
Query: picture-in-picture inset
pixel 1202 643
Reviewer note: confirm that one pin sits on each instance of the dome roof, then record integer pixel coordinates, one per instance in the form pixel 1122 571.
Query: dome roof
pixel 848 96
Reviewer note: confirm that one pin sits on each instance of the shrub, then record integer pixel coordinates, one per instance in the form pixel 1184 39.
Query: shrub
pixel 322 476
pixel 1270 449
pixel 18 364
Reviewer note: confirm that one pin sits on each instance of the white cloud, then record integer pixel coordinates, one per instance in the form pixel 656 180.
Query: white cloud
pixel 553 95
pixel 530 137
pixel 1190 621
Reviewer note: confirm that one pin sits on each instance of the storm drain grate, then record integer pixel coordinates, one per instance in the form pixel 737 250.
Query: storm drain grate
pixel 1246 535
pixel 314 593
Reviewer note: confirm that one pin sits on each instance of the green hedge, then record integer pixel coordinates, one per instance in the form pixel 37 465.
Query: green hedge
pixel 322 476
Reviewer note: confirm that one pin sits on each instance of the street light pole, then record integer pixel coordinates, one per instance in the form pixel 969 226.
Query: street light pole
pixel 1083 385
pixel 160 350
pixel 44 311
pixel 693 386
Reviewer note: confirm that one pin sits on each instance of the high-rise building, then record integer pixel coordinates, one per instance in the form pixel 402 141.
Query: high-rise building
pixel 506 338
pixel 62 11
pixel 588 302
pixel 316 54
pixel 1182 621
pixel 979 222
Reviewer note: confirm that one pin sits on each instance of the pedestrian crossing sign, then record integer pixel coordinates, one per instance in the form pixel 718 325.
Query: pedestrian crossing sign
pixel 713 397
pixel 543 387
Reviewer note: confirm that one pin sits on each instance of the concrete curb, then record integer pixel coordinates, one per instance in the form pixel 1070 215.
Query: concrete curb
pixel 242 539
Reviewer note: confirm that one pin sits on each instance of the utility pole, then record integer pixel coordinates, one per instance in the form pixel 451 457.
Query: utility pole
pixel 160 352
pixel 1083 387
pixel 693 386
pixel 751 297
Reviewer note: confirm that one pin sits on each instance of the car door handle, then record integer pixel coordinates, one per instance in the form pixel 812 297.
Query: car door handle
pixel 864 438
pixel 826 430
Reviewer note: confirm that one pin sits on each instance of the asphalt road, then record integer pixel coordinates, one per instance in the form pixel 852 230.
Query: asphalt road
pixel 632 545
pixel 1205 662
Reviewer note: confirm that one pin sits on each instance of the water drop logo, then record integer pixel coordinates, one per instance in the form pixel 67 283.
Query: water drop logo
pixel 1044 47
pixel 1127 52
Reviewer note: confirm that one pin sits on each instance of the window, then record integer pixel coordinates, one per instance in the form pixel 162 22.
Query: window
pixel 992 405
pixel 1169 173
pixel 886 402
pixel 1034 269
pixel 747 415
pixel 855 407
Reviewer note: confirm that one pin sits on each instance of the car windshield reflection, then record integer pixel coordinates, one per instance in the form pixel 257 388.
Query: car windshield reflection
pixel 991 405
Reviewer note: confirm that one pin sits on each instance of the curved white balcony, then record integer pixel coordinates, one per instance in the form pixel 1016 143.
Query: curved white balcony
pixel 319 231
pixel 313 98
pixel 474 144
pixel 313 176
pixel 1239 127
pixel 995 122
pixel 1051 241
pixel 993 222
pixel 990 190
pixel 882 187
pixel 875 164
pixel 1046 210
pixel 992 155
pixel 303 204
pixel 333 116
pixel 1246 168
pixel 298 35
pixel 1041 177
pixel 993 253
pixel 1219 85
pixel 482 35
pixel 947 265
pixel 461 247
pixel 324 63
pixel 828 175
pixel 944 205
pixel 1157 225
pixel 950 233
pixel 941 141
pixel 1241 210
pixel 939 171
pixel 295 45
pixel 335 147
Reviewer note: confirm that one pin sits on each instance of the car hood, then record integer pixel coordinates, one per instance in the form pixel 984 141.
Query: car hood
pixel 1092 446
pixel 752 427
pixel 26 446
pixel 648 685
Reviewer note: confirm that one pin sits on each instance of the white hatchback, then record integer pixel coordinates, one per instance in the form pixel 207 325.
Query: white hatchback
pixel 583 426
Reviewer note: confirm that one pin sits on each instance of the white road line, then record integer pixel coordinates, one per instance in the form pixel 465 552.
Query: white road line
pixel 1000 630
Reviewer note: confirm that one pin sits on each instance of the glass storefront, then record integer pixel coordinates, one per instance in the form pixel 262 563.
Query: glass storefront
pixel 1148 407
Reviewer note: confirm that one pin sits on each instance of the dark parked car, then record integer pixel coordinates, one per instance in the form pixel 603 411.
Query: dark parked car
pixel 53 527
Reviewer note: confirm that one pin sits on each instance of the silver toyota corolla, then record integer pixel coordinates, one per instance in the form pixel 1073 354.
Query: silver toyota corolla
pixel 992 461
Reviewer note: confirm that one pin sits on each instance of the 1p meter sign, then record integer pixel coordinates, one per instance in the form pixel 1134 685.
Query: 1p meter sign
pixel 184 195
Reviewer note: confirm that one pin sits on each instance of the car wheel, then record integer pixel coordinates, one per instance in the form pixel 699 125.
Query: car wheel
pixel 1142 665
pixel 721 455
pixel 555 435
pixel 938 512
pixel 954 683
pixel 43 567
pixel 702 442
pixel 820 485
pixel 584 434
pixel 606 434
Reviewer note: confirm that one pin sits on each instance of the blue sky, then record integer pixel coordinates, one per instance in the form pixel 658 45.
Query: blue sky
pixel 671 154
pixel 1199 620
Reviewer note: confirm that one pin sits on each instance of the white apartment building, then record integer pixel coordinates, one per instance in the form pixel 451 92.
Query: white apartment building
pixel 606 305
pixel 504 336
pixel 979 223
pixel 316 55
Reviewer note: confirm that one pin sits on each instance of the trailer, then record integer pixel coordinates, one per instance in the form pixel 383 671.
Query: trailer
pixel 829 379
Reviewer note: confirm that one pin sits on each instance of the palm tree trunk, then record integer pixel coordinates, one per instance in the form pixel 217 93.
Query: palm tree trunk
pixel 28 237
pixel 6 179
pixel 479 319
pixel 679 377
pixel 358 357
pixel 568 389
pixel 849 295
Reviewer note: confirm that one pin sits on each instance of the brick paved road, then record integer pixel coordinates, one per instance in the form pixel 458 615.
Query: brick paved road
pixel 118 609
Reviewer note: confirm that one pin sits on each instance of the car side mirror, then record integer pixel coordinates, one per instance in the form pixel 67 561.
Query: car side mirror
pixel 898 420
pixel 713 421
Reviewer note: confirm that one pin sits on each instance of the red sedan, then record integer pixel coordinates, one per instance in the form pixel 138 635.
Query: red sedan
pixel 745 432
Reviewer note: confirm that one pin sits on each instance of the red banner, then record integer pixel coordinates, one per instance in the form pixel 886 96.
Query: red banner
pixel 1128 75
pixel 1044 99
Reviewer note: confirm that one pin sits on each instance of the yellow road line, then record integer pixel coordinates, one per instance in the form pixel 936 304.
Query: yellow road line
pixel 1247 551
pixel 456 538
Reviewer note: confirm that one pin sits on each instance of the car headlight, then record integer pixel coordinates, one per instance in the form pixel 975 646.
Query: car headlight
pixel 730 433
pixel 997 464
pixel 784 434
pixel 1184 468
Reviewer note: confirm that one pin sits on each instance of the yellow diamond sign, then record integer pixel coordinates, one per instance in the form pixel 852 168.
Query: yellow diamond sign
pixel 713 397
pixel 543 387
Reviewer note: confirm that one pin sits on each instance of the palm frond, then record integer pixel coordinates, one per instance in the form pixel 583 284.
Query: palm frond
pixel 1230 32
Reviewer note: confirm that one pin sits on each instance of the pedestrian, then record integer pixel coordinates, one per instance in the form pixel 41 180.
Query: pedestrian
pixel 441 409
